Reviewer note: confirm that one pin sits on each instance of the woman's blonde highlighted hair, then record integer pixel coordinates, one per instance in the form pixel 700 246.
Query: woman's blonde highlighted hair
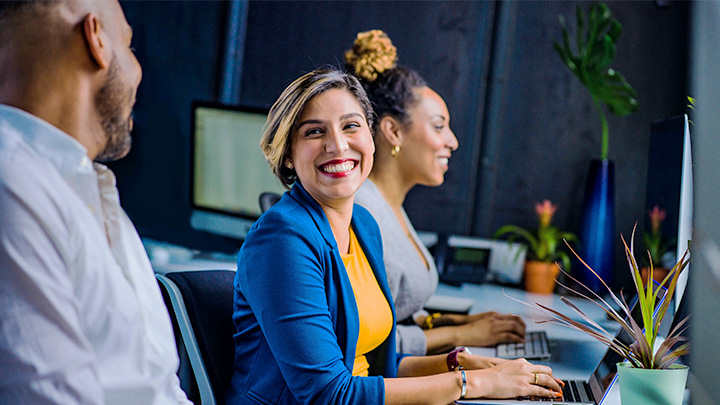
pixel 284 114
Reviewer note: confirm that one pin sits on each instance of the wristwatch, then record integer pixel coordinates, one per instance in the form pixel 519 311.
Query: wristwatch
pixel 452 362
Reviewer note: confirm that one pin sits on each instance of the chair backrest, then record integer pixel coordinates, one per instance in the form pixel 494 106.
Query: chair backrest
pixel 202 303
pixel 267 200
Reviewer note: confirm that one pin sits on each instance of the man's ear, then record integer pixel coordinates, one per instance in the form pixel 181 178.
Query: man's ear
pixel 96 41
pixel 391 130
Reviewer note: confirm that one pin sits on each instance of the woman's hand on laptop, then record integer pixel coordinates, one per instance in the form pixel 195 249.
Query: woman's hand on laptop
pixel 511 379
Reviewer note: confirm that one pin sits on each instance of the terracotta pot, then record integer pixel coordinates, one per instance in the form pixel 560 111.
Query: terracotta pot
pixel 659 274
pixel 540 277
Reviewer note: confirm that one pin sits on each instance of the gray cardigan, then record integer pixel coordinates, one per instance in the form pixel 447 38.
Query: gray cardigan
pixel 411 283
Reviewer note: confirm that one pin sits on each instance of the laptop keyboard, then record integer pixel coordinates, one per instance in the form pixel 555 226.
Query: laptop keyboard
pixel 536 346
pixel 573 391
pixel 576 391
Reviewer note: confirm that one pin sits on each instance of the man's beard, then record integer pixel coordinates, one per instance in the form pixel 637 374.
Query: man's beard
pixel 110 102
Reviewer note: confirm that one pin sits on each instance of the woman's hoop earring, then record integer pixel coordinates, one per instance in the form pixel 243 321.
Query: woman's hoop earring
pixel 395 150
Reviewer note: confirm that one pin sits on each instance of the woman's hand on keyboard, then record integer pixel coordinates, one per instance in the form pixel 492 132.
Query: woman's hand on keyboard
pixel 515 378
pixel 489 329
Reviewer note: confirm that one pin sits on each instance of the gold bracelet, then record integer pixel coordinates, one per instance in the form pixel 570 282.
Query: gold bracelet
pixel 428 320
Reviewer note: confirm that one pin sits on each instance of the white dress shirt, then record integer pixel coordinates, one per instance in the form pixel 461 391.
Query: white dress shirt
pixel 81 317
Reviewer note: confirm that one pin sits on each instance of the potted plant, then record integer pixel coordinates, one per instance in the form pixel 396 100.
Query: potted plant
pixel 648 373
pixel 656 245
pixel 595 39
pixel 543 243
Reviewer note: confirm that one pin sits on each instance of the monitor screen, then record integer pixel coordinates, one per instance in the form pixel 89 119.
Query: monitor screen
pixel 670 187
pixel 228 169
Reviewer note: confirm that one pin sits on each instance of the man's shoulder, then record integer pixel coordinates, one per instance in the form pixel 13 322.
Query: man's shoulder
pixel 29 184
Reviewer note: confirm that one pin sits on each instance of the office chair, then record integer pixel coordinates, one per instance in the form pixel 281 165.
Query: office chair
pixel 268 199
pixel 200 304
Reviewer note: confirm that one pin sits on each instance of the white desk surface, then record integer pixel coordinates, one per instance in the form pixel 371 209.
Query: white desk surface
pixel 574 354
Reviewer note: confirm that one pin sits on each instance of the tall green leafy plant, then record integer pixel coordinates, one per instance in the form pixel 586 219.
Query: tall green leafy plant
pixel 596 37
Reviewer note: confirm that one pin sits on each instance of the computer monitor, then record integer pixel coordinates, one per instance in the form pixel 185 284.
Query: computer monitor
pixel 228 171
pixel 670 185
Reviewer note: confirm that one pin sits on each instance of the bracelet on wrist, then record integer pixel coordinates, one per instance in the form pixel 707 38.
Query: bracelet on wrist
pixel 463 390
pixel 452 361
pixel 428 324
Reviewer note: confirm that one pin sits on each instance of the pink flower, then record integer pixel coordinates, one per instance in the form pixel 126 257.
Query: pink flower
pixel 657 216
pixel 545 212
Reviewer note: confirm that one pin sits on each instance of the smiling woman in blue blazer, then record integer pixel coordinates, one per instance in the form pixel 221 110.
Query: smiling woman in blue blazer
pixel 313 313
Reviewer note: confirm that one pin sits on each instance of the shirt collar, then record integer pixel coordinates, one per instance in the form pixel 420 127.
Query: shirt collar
pixel 60 149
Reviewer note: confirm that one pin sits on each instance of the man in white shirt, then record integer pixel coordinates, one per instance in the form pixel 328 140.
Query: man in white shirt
pixel 81 317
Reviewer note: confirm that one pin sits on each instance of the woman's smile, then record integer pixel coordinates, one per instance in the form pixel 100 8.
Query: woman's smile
pixel 339 167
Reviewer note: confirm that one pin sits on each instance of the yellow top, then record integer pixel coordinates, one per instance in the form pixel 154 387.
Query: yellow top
pixel 375 315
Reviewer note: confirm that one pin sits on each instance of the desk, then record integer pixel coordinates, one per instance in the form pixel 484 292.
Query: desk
pixel 574 353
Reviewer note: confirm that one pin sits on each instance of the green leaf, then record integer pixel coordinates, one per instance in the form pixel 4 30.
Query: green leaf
pixel 590 62
pixel 580 26
pixel 516 231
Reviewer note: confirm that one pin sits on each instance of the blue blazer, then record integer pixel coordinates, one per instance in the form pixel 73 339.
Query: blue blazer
pixel 295 313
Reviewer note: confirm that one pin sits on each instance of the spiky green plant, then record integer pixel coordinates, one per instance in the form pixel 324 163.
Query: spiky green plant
pixel 691 108
pixel 595 44
pixel 639 353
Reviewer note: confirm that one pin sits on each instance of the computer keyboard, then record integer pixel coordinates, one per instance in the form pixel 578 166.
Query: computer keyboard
pixel 536 346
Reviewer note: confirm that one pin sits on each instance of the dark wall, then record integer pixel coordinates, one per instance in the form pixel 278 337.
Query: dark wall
pixel 526 127
pixel 542 128
pixel 447 42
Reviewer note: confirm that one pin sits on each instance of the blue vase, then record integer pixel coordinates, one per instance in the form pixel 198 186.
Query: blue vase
pixel 597 236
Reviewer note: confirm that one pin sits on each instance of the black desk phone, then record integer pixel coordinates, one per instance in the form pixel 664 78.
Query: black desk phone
pixel 470 259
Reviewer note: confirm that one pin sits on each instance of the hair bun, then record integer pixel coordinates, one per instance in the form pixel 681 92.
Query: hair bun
pixel 372 54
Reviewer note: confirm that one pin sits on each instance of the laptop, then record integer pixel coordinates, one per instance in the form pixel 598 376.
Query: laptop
pixel 593 390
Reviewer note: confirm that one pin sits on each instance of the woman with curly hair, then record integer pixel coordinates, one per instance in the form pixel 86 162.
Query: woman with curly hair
pixel 414 144
pixel 312 310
